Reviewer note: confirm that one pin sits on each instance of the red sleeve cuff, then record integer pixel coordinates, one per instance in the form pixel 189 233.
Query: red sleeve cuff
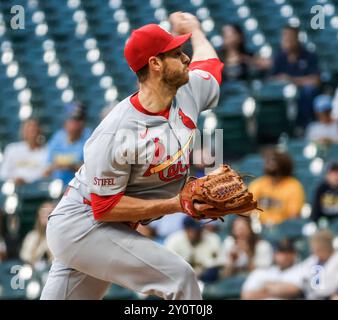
pixel 213 66
pixel 103 204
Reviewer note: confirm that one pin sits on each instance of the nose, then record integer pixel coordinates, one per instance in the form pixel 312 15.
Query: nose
pixel 185 59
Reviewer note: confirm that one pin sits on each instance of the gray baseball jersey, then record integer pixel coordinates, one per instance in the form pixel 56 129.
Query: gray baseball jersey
pixel 157 148
pixel 141 155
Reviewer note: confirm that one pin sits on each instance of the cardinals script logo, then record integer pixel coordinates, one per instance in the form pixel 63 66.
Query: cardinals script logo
pixel 169 168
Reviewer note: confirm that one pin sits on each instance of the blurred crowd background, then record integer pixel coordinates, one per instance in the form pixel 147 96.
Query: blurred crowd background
pixel 62 73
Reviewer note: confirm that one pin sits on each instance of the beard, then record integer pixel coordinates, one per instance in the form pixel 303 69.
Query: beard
pixel 175 78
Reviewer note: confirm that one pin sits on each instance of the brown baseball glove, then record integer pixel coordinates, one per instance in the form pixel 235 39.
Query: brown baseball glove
pixel 220 193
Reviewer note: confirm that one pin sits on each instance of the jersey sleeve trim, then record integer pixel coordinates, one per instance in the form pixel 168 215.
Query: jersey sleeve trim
pixel 102 204
pixel 213 66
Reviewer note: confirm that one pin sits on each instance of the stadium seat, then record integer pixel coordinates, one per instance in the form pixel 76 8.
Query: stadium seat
pixel 334 226
pixel 252 164
pixel 271 117
pixel 332 152
pixel 289 229
pixel 116 292
pixel 228 288
pixel 296 145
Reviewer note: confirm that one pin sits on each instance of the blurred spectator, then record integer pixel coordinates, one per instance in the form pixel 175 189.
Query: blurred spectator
pixel 25 161
pixel 65 148
pixel 280 195
pixel 284 258
pixel 34 248
pixel 334 112
pixel 12 237
pixel 325 130
pixel 315 278
pixel 325 203
pixel 243 251
pixel 196 245
pixel 236 58
pixel 172 223
pixel 167 225
pixel 295 64
pixel 3 248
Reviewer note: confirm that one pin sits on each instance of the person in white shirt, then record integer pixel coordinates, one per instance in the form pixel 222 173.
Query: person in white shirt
pixel 314 278
pixel 254 287
pixel 199 247
pixel 25 161
pixel 3 249
pixel 242 250
pixel 168 225
pixel 325 130
pixel 334 112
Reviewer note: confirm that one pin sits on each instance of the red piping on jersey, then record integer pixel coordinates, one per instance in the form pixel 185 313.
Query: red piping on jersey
pixel 213 66
pixel 103 204
pixel 137 104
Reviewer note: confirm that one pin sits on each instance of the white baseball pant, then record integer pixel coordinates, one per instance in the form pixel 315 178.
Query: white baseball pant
pixel 90 255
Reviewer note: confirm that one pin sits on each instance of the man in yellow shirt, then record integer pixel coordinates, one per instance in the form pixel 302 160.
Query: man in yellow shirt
pixel 280 195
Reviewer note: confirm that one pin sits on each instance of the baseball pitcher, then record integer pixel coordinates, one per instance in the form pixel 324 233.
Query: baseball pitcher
pixel 91 232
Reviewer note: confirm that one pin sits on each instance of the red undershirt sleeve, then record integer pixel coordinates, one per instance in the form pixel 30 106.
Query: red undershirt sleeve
pixel 102 204
pixel 213 66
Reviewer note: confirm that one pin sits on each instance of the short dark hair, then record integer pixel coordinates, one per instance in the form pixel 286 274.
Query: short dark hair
pixel 283 160
pixel 239 30
pixel 284 245
pixel 332 166
pixel 143 73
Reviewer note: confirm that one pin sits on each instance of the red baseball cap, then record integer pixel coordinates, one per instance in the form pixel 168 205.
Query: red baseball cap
pixel 148 41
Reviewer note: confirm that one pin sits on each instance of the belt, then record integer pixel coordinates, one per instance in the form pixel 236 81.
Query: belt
pixel 132 225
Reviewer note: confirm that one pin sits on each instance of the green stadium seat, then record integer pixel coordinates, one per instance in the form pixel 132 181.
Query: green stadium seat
pixel 302 248
pixel 296 146
pixel 116 292
pixel 289 229
pixel 271 116
pixel 228 288
pixel 252 164
pixel 332 152
pixel 334 226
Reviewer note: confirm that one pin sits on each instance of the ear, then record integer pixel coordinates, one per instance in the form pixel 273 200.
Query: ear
pixel 155 63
